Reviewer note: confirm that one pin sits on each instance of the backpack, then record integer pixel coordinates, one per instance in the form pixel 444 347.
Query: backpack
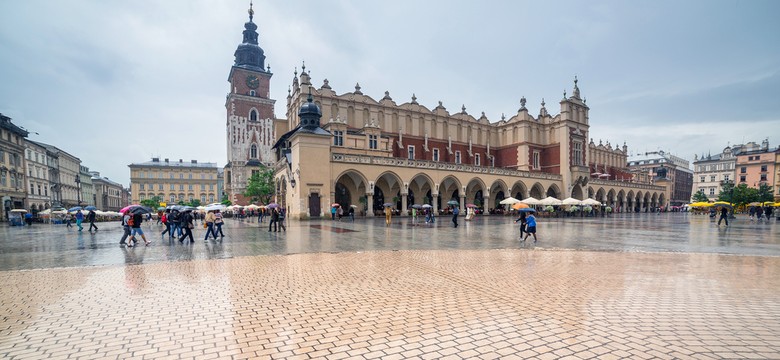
pixel 164 219
pixel 130 221
pixel 456 211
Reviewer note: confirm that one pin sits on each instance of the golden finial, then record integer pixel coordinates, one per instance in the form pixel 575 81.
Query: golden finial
pixel 251 12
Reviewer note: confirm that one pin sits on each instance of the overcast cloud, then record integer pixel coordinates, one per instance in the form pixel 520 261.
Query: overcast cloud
pixel 117 82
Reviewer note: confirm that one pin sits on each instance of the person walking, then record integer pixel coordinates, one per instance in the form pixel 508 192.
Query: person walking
pixel 414 216
pixel 68 219
pixel 28 219
pixel 210 218
pixel 185 223
pixel 724 215
pixel 351 212
pixel 138 220
pixel 280 220
pixel 522 220
pixel 333 213
pixel 79 219
pixel 175 220
pixel 274 220
pixel 91 217
pixel 160 218
pixel 165 221
pixel 530 226
pixel 260 214
pixel 759 213
pixel 218 221
pixel 388 215
pixel 125 219
pixel 455 213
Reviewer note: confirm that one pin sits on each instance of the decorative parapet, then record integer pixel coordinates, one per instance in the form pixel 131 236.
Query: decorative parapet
pixel 628 184
pixel 433 165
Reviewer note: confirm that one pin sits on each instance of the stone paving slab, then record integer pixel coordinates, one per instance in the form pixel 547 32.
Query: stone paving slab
pixel 412 304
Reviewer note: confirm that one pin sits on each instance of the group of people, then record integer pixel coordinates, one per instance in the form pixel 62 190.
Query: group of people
pixel 759 212
pixel 337 212
pixel 527 225
pixel 80 218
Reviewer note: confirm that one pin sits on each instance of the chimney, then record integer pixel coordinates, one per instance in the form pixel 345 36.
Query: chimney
pixel 166 159
pixel 194 161
pixel 155 159
pixel 181 161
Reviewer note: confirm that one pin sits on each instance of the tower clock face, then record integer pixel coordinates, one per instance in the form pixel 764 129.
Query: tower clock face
pixel 252 81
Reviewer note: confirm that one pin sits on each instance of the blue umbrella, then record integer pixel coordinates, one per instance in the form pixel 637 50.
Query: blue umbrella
pixel 526 210
pixel 90 208
pixel 74 209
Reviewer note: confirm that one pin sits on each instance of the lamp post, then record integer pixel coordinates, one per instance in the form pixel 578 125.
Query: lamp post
pixel 78 190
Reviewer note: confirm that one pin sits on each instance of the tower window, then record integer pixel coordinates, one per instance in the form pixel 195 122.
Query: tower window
pixel 253 152
pixel 372 144
pixel 457 157
pixel 410 151
pixel 536 163
pixel 435 154
pixel 477 160
pixel 338 138
pixel 252 93
pixel 253 113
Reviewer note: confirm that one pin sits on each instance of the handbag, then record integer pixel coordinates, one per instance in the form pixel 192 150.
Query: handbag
pixel 205 226
pixel 190 226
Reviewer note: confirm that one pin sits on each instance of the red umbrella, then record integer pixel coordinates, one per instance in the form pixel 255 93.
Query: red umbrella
pixel 335 205
pixel 471 205
pixel 128 207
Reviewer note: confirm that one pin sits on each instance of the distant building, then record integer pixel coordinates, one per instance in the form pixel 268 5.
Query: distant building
pixel 64 169
pixel 777 174
pixel 755 165
pixel 662 165
pixel 12 175
pixel 88 196
pixel 173 181
pixel 38 197
pixel 107 193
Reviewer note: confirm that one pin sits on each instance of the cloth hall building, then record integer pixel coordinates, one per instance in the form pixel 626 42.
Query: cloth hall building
pixel 352 149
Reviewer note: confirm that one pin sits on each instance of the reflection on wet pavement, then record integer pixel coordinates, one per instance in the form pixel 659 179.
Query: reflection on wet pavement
pixel 46 246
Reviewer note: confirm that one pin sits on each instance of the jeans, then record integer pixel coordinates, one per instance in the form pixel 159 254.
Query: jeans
pixel 168 230
pixel 210 230
pixel 127 233
pixel 219 230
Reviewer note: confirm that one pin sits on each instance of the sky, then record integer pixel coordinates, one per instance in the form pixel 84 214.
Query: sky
pixel 119 82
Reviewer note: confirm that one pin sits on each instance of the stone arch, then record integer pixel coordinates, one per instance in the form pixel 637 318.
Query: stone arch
pixel 421 185
pixel 662 200
pixel 630 201
pixel 449 189
pixel 498 191
pixel 600 194
pixel 590 192
pixel 576 192
pixel 389 183
pixel 475 191
pixel 537 191
pixel 519 191
pixel 553 191
pixel 611 197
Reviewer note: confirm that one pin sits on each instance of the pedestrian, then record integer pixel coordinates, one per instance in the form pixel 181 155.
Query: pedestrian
pixel 165 221
pixel 274 220
pixel 414 216
pixel 175 220
pixel 210 218
pixel 79 219
pixel 68 219
pixel 28 219
pixel 351 214
pixel 280 220
pixel 388 215
pixel 724 215
pixel 186 223
pixel 91 217
pixel 522 220
pixel 759 213
pixel 125 219
pixel 530 226
pixel 433 215
pixel 768 212
pixel 218 221
pixel 751 212
pixel 340 212
pixel 160 218
pixel 260 214
pixel 455 213
pixel 333 213
pixel 138 220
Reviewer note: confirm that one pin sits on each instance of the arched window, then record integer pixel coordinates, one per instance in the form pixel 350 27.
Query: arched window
pixel 253 152
pixel 253 115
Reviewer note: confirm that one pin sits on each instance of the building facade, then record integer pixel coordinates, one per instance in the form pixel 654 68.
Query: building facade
pixel 88 196
pixel 660 164
pixel 38 185
pixel 251 124
pixel 13 185
pixel 352 149
pixel 755 165
pixel 174 181
pixel 108 194
pixel 712 171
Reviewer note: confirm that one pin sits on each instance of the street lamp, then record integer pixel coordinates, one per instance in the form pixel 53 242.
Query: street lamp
pixel 78 190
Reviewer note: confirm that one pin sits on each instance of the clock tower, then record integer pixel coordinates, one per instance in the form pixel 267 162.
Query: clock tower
pixel 250 114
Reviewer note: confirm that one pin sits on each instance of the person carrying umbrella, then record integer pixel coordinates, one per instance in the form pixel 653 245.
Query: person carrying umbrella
pixel 455 213
pixel 531 226
pixel 91 217
pixel 186 223
pixel 388 215
pixel 724 215
pixel 79 219
pixel 138 219
pixel 522 220
pixel 210 219
pixel 218 221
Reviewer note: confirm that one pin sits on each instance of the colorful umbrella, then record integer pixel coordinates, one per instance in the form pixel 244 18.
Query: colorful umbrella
pixel 90 208
pixel 453 202
pixel 518 206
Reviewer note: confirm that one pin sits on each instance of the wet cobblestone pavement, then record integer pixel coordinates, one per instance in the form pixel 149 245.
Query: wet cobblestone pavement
pixel 630 286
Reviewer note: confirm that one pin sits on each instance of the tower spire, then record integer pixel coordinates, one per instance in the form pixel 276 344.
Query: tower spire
pixel 251 12
pixel 249 54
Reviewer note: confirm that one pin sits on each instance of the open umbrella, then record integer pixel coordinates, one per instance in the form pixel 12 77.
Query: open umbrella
pixel 571 201
pixel 509 201
pixel 18 211
pixel 755 203
pixel 90 208
pixel 471 205
pixel 75 208
pixel 335 205
pixel 527 210
pixel 140 210
pixel 453 202
pixel 531 201
pixel 426 206
pixel 723 204
pixel 388 205
pixel 272 205
pixel 124 209
pixel 416 206
pixel 353 206
pixel 518 206
pixel 219 207
pixel 700 204
pixel 590 202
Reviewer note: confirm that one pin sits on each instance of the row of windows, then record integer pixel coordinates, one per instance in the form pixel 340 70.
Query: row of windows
pixel 173 198
pixel 40 187
pixel 477 157
pixel 151 175
pixel 713 178
pixel 13 159
pixel 716 167
pixel 173 187
pixel 11 180
pixel 12 138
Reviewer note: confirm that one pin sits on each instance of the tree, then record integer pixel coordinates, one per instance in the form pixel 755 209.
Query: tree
pixel 261 186
pixel 726 191
pixel 194 203
pixel 765 193
pixel 225 201
pixel 699 196
pixel 152 202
